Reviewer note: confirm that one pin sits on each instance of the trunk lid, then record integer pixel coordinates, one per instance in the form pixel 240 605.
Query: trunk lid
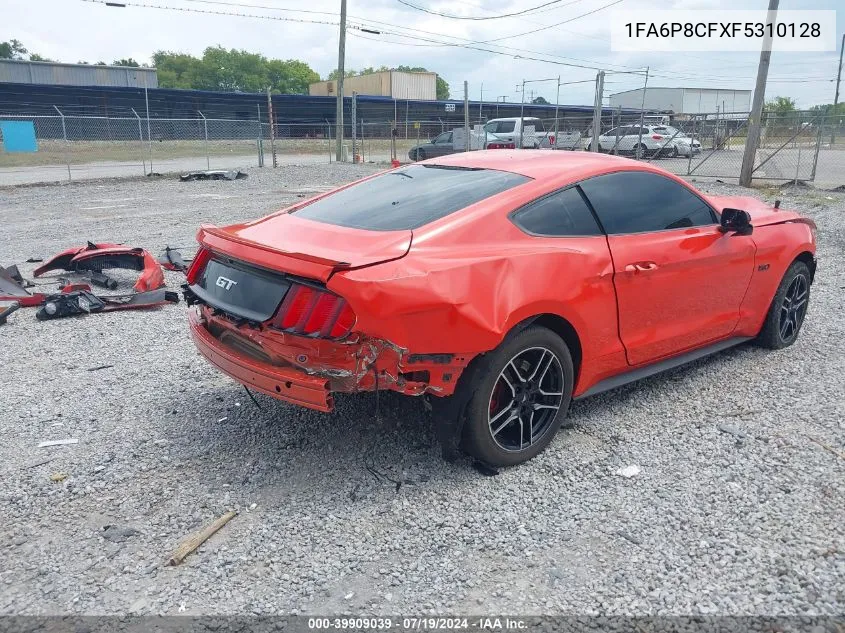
pixel 286 243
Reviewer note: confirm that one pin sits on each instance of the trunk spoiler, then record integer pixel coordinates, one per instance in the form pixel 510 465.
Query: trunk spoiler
pixel 303 264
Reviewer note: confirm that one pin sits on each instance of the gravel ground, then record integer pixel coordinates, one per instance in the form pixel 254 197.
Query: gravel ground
pixel 738 508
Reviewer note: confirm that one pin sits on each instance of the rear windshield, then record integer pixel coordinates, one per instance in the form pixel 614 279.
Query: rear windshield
pixel 410 197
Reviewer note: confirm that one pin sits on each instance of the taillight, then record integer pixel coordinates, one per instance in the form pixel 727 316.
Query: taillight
pixel 501 146
pixel 656 137
pixel 198 264
pixel 552 139
pixel 307 310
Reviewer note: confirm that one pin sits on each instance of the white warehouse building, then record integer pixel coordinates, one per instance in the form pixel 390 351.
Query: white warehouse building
pixel 685 100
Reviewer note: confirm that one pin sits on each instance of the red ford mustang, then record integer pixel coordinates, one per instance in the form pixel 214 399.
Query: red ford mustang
pixel 500 284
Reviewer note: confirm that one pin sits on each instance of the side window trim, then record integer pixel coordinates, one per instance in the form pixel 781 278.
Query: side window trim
pixel 713 215
pixel 513 219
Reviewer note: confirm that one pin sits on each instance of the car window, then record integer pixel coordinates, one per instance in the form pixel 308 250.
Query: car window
pixel 446 137
pixel 537 123
pixel 409 197
pixel 612 132
pixel 638 201
pixel 563 213
pixel 505 126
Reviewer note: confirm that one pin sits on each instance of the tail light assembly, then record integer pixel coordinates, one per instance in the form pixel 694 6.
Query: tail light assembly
pixel 552 139
pixel 657 137
pixel 197 265
pixel 314 312
pixel 501 146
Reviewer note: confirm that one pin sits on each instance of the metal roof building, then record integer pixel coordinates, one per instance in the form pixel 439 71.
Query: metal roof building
pixel 388 83
pixel 685 100
pixel 60 74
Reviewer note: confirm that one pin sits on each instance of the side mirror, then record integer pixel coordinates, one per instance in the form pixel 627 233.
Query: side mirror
pixel 735 220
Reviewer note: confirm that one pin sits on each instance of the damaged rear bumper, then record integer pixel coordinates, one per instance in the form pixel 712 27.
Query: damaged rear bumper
pixel 306 370
pixel 279 382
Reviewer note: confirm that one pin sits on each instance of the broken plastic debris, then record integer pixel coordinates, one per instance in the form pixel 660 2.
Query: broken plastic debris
pixel 629 471
pixel 46 443
pixel 57 477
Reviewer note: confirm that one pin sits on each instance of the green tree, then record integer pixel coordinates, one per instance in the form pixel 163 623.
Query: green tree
pixel 35 57
pixel 290 76
pixel 333 75
pixel 13 49
pixel 540 101
pixel 826 109
pixel 232 70
pixel 175 70
pixel 126 62
pixel 780 105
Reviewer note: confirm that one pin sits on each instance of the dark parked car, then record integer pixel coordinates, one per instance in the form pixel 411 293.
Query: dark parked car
pixel 442 144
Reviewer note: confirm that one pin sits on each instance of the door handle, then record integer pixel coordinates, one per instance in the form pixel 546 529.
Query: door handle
pixel 637 267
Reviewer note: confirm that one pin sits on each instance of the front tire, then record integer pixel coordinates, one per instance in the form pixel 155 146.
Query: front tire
pixel 521 394
pixel 788 309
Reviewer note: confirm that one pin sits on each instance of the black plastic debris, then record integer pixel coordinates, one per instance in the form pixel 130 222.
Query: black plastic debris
pixel 16 276
pixel 171 259
pixel 213 174
pixel 6 308
pixel 80 302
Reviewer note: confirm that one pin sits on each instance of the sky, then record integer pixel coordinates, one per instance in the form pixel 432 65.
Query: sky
pixel 74 30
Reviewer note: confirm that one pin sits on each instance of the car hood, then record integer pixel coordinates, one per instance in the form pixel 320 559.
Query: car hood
pixel 287 243
pixel 762 213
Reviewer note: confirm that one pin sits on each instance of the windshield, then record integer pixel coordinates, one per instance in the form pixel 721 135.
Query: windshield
pixel 409 197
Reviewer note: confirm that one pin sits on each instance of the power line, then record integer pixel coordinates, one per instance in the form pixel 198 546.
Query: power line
pixel 211 12
pixel 259 6
pixel 490 17
pixel 469 45
pixel 550 26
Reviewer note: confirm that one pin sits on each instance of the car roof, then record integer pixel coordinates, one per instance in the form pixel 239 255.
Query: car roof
pixel 561 166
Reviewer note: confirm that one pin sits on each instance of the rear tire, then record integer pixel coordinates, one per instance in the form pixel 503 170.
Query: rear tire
pixel 421 154
pixel 643 152
pixel 788 309
pixel 521 394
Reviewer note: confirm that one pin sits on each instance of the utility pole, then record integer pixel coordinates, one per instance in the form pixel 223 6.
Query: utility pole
pixel 466 116
pixel 521 115
pixel 480 102
pixel 753 138
pixel 557 101
pixel 341 57
pixel 836 96
pixel 642 115
pixel 594 143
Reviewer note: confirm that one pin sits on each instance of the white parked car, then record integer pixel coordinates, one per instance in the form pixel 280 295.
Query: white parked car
pixel 508 130
pixel 681 140
pixel 653 139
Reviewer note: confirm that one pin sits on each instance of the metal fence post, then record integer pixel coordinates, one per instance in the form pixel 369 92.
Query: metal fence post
pixel 816 153
pixel 141 139
pixel 692 141
pixel 205 125
pixel 67 148
pixel 260 138
pixel 272 126
pixel 354 126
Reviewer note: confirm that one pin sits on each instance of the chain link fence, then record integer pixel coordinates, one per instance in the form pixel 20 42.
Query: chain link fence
pixel 797 146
